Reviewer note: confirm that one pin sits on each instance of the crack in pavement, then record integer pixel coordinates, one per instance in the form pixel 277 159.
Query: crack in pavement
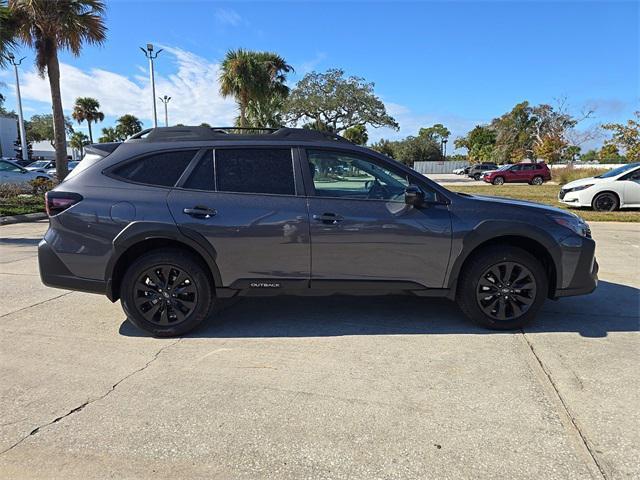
pixel 36 304
pixel 81 407
pixel 583 439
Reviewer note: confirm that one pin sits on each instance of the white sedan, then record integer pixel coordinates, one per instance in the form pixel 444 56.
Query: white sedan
pixel 618 188
pixel 15 174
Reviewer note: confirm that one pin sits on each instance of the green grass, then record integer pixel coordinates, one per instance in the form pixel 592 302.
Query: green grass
pixel 20 204
pixel 547 194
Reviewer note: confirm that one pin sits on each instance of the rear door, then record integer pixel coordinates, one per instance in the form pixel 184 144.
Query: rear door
pixel 248 204
pixel 361 228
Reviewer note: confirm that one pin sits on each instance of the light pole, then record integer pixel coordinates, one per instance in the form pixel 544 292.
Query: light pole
pixel 148 52
pixel 164 99
pixel 444 143
pixel 23 134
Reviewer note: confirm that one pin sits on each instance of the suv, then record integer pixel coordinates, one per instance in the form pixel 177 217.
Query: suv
pixel 175 220
pixel 476 171
pixel 531 173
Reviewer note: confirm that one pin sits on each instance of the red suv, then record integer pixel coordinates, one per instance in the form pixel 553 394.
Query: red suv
pixel 532 173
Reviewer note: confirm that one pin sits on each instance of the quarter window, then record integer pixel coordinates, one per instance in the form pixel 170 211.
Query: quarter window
pixel 162 168
pixel 337 174
pixel 255 170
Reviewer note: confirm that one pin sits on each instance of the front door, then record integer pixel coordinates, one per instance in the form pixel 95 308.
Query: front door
pixel 361 228
pixel 244 201
pixel 631 188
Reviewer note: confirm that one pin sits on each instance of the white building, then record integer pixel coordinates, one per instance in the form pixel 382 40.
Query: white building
pixel 8 135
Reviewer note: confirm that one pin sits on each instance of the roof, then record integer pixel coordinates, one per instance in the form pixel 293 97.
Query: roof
pixel 187 133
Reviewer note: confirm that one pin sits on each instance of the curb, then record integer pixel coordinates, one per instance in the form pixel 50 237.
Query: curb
pixel 27 217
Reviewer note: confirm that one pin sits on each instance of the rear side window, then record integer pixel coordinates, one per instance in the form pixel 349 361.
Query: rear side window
pixel 162 168
pixel 255 170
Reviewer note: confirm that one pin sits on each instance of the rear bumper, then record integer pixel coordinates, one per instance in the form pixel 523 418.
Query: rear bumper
pixel 54 273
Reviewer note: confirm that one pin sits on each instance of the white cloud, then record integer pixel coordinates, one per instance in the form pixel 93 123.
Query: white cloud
pixel 310 65
pixel 193 89
pixel 228 16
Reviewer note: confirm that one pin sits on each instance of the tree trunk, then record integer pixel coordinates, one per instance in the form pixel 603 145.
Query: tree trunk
pixel 90 134
pixel 243 110
pixel 59 134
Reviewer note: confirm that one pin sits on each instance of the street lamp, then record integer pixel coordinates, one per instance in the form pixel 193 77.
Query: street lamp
pixel 23 134
pixel 148 52
pixel 165 100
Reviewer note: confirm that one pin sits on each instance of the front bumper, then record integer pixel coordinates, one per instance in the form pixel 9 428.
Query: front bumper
pixel 579 270
pixel 575 199
pixel 54 273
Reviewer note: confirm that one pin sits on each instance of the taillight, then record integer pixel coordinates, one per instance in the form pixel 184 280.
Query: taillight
pixel 57 202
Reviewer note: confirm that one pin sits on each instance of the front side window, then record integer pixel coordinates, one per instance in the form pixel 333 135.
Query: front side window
pixel 161 169
pixel 346 175
pixel 10 167
pixel 254 170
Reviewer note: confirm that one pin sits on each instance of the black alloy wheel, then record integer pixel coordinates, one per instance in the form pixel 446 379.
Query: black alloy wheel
pixel 506 291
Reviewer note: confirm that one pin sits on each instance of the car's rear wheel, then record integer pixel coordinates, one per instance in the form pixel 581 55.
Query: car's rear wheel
pixel 166 293
pixel 477 176
pixel 498 181
pixel 502 288
pixel 605 202
pixel 537 181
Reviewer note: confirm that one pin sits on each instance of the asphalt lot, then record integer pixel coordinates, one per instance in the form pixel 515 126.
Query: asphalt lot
pixel 387 387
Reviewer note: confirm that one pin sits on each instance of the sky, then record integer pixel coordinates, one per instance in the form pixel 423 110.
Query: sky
pixel 457 63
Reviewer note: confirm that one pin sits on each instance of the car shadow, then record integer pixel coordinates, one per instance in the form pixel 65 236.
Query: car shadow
pixel 20 241
pixel 611 308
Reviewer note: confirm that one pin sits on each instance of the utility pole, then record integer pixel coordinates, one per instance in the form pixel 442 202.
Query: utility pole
pixel 444 142
pixel 23 134
pixel 164 99
pixel 148 52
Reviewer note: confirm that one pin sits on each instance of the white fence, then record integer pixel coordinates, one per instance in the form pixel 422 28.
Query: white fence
pixel 439 167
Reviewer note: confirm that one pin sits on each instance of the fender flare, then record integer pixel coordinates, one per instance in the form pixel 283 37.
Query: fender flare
pixel 141 231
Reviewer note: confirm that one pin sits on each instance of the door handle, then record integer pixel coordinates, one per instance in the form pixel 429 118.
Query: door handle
pixel 200 212
pixel 329 218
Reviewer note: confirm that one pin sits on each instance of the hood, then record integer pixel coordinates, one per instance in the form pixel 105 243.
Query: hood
pixel 583 181
pixel 540 207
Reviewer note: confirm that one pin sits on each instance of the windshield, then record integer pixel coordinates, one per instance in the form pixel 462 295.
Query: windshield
pixel 617 171
pixel 39 164
pixel 504 167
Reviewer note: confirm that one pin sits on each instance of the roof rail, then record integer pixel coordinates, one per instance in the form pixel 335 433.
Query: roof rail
pixel 185 133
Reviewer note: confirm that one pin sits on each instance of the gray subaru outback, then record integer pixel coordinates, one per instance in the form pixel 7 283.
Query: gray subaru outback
pixel 175 220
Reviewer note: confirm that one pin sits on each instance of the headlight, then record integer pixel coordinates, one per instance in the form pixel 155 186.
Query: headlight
pixel 574 223
pixel 577 189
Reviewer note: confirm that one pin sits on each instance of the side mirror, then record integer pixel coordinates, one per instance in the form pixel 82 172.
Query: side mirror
pixel 414 196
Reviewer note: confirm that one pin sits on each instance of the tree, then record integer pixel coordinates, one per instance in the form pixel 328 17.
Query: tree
pixel 357 134
pixel 589 156
pixel 572 152
pixel 627 137
pixel 253 77
pixel 86 109
pixel 385 147
pixel 48 27
pixel 128 125
pixel 437 133
pixel 40 128
pixel 335 101
pixel 77 141
pixel 266 112
pixel 479 143
pixel 514 134
pixel 110 134
pixel 609 153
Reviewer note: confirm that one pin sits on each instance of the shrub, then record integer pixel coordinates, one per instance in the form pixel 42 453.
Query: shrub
pixel 40 186
pixel 569 174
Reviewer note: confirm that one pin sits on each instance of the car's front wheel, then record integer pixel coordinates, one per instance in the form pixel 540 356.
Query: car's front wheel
pixel 502 287
pixel 498 181
pixel 166 292
pixel 477 176
pixel 605 202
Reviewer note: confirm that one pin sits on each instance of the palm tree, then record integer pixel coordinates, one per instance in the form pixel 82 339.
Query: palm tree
pixel 128 125
pixel 49 26
pixel 77 141
pixel 252 76
pixel 86 108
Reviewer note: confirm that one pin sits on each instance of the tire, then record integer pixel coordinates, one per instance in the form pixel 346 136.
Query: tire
pixel 605 202
pixel 476 176
pixel 498 181
pixel 521 307
pixel 153 281
pixel 537 181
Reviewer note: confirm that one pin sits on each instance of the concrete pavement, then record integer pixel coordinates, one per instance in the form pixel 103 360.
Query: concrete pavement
pixel 386 387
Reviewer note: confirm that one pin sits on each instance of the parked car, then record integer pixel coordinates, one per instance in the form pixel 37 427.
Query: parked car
pixel 477 170
pixel 15 174
pixel 174 220
pixel 531 173
pixel 18 161
pixel 70 167
pixel 617 188
pixel 462 170
pixel 41 166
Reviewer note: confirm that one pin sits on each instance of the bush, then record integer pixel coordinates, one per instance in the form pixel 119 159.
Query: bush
pixel 40 186
pixel 569 174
